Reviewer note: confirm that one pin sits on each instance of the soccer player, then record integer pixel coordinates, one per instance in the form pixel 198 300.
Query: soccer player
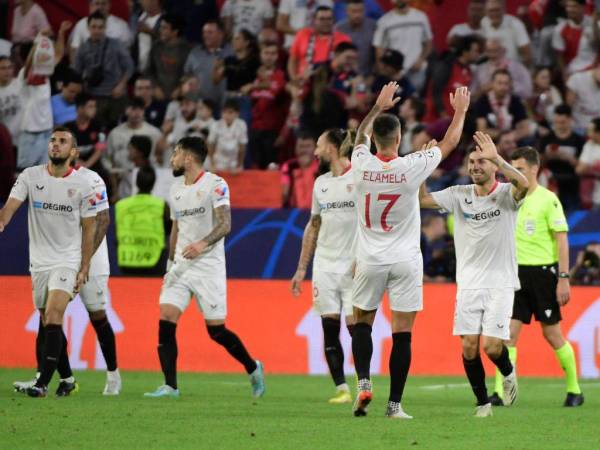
pixel 62 225
pixel 199 204
pixel 543 258
pixel 388 244
pixel 93 294
pixel 332 231
pixel 486 274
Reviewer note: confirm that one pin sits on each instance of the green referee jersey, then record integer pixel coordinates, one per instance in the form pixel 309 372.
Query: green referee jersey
pixel 540 216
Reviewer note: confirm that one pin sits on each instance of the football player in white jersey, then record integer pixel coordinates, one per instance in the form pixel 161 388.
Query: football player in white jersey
pixel 93 294
pixel 199 204
pixel 332 231
pixel 62 224
pixel 388 239
pixel 485 215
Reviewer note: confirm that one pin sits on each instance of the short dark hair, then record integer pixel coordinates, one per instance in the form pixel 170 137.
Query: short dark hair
pixel 210 104
pixel 145 179
pixel 142 144
pixel 355 2
pixel 344 46
pixel 176 22
pixel 323 8
pixel 335 136
pixel 72 76
pixel 385 128
pixel 63 129
pixel 3 57
pixel 143 77
pixel 501 72
pixel 216 23
pixel 465 43
pixel 231 103
pixel 96 15
pixel 82 98
pixel 418 105
pixel 194 145
pixel 529 154
pixel 136 102
pixel 563 110
pixel 304 134
pixel 596 124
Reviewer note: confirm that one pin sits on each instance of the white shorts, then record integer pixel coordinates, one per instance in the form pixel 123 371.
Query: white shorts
pixel 403 281
pixel 484 312
pixel 93 293
pixel 210 293
pixel 59 279
pixel 332 293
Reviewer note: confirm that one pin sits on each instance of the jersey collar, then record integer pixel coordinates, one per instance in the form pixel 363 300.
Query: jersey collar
pixel 69 172
pixel 491 190
pixel 385 158
pixel 200 175
pixel 346 170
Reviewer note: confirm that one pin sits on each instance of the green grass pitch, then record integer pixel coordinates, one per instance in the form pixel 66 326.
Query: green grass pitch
pixel 216 412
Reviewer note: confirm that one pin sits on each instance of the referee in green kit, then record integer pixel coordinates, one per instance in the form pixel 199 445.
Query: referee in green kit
pixel 543 258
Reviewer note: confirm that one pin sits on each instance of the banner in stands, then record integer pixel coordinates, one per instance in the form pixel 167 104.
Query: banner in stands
pixel 280 330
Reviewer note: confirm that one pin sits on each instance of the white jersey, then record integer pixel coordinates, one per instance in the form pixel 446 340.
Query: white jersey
pixel 484 236
pixel 387 193
pixel 56 207
pixel 334 200
pixel 100 264
pixel 192 207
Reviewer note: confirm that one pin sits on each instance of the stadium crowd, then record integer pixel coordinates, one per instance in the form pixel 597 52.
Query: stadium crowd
pixel 260 82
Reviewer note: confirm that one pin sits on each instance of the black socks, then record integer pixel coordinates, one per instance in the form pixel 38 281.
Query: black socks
pixel 53 346
pixel 334 354
pixel 167 351
pixel 106 338
pixel 233 345
pixel 362 349
pixel 399 364
pixel 503 362
pixel 476 375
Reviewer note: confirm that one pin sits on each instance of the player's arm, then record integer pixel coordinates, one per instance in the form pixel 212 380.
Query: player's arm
pixel 8 211
pixel 426 200
pixel 221 229
pixel 487 148
pixel 460 101
pixel 309 243
pixel 384 101
pixel 102 223
pixel 88 232
pixel 173 240
pixel 563 289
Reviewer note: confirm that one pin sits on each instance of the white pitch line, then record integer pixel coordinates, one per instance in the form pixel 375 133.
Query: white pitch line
pixel 436 387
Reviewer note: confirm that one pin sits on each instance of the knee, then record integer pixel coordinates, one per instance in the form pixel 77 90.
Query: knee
pixel 169 313
pixel 331 330
pixel 492 347
pixel 553 336
pixel 217 333
pixel 470 348
pixel 53 316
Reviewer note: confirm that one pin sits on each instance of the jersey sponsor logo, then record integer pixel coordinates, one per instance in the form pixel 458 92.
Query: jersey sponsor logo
pixel 63 279
pixel 221 191
pixel 337 205
pixel 101 196
pixel 92 202
pixel 190 212
pixel 178 197
pixel 324 190
pixel 468 202
pixel 52 207
pixel 378 177
pixel 548 313
pixel 38 187
pixel 482 216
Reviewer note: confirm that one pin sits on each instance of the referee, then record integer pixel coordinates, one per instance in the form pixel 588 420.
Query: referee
pixel 543 257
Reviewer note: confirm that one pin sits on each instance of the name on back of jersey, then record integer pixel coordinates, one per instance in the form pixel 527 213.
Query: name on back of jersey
pixel 380 177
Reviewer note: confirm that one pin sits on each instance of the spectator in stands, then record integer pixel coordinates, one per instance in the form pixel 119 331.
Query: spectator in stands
pixel 106 66
pixel 28 20
pixel 506 144
pixel 588 167
pixel 201 62
pixel 118 140
pixel 583 95
pixel 451 72
pixel 314 45
pixel 168 57
pixel 251 15
pixel 154 110
pixel 269 107
pixel 148 32
pixel 293 16
pixel 475 13
pixel 561 150
pixel 500 110
pixel 140 149
pixel 239 70
pixel 587 266
pixel 142 222
pixel 543 16
pixel 116 28
pixel 406 30
pixel 411 114
pixel 496 59
pixel 185 124
pixel 545 98
pixel 227 140
pixel 299 173
pixel 390 69
pixel 7 163
pixel 11 103
pixel 576 40
pixel 345 77
pixel 439 263
pixel 63 105
pixel 508 29
pixel 90 135
pixel 205 116
pixel 360 29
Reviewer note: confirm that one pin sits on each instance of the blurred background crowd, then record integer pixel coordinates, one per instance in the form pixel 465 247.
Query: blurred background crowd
pixel 260 80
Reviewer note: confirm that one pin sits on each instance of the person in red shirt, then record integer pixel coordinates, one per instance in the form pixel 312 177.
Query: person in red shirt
pixel 298 174
pixel 269 104
pixel 314 45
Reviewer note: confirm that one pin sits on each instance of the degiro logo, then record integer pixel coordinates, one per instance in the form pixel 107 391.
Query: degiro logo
pixel 52 207
pixel 482 216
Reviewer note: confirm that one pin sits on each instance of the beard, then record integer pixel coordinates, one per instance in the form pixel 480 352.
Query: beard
pixel 324 166
pixel 178 171
pixel 57 160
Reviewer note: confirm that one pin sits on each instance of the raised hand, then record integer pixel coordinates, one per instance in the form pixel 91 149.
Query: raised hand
pixel 386 98
pixel 460 99
pixel 485 146
pixel 428 145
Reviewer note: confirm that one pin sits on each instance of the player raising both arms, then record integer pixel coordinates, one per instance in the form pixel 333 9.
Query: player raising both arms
pixel 388 246
pixel 199 204
pixel 485 213
pixel 332 230
pixel 62 224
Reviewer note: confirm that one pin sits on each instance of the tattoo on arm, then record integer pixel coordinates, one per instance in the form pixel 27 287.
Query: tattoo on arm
pixel 102 222
pixel 309 241
pixel 223 226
